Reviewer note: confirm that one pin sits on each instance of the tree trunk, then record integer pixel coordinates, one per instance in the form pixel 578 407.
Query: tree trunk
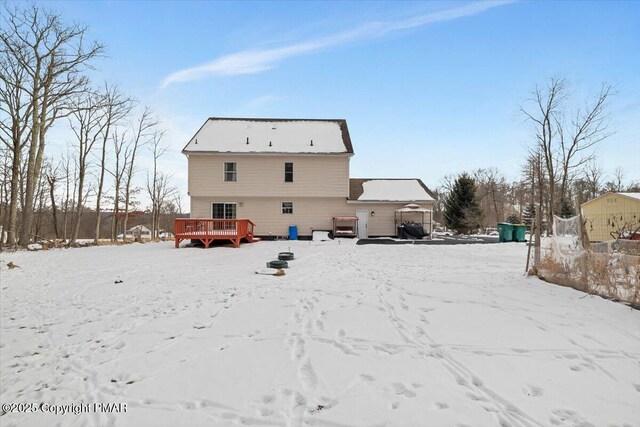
pixel 13 204
pixel 100 185
pixel 54 208
pixel 79 206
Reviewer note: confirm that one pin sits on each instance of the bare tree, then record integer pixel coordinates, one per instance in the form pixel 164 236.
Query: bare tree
pixel 616 185
pixel 53 56
pixel 164 192
pixel 52 175
pixel 87 121
pixel 5 185
pixel 491 190
pixel 547 106
pixel 154 182
pixel 117 107
pixel 121 158
pixel 15 115
pixel 177 201
pixel 442 193
pixel 565 145
pixel 517 195
pixel 143 130
pixel 69 194
pixel 538 181
pixel 588 127
pixel 593 180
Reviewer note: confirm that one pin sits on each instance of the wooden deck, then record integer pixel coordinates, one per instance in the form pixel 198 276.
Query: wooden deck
pixel 207 230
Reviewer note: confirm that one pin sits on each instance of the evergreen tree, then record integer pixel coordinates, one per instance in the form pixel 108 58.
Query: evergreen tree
pixel 566 208
pixel 461 210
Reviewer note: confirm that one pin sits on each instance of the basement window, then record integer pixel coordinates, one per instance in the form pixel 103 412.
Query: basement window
pixel 287 207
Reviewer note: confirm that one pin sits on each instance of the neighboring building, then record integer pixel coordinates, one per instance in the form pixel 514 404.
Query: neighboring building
pixel 137 232
pixel 282 172
pixel 611 213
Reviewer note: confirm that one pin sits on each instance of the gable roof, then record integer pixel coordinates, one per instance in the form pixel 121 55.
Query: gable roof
pixel 389 190
pixel 609 193
pixel 252 135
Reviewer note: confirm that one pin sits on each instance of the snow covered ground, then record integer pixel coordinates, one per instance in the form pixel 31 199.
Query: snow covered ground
pixel 406 335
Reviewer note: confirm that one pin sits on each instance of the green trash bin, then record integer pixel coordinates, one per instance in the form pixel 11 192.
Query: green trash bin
pixel 505 231
pixel 519 231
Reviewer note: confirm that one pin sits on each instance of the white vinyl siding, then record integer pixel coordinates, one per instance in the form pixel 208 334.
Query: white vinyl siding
pixel 309 213
pixel 262 175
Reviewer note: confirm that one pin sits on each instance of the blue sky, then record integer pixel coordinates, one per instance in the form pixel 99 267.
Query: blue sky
pixel 427 88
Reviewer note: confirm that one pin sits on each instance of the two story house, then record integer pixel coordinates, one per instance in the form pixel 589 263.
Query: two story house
pixel 283 172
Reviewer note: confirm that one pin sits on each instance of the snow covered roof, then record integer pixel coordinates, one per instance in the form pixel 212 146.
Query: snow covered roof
pixel 632 195
pixel 412 208
pixel 389 190
pixel 301 136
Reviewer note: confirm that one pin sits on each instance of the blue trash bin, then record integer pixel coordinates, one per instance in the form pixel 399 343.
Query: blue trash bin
pixel 293 232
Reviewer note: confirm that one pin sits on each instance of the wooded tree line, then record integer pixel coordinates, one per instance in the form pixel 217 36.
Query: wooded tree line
pixel 44 66
pixel 559 174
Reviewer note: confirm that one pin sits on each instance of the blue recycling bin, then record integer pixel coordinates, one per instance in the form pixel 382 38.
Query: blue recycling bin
pixel 293 232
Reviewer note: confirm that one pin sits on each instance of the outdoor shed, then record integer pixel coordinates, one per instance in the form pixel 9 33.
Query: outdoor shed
pixel 611 214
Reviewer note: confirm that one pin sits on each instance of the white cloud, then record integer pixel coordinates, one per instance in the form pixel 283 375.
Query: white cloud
pixel 256 61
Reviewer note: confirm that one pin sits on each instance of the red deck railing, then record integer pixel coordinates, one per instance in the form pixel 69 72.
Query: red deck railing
pixel 207 230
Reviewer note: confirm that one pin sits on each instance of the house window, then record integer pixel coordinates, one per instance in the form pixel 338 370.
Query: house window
pixel 223 210
pixel 230 171
pixel 287 207
pixel 288 172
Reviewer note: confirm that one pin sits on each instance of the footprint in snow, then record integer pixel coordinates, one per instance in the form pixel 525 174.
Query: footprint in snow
pixel 532 391
pixel 476 398
pixel 477 381
pixel 399 388
pixel 268 398
pixel 265 412
pixel 307 375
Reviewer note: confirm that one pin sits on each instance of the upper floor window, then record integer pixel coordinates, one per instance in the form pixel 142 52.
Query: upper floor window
pixel 288 172
pixel 230 171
